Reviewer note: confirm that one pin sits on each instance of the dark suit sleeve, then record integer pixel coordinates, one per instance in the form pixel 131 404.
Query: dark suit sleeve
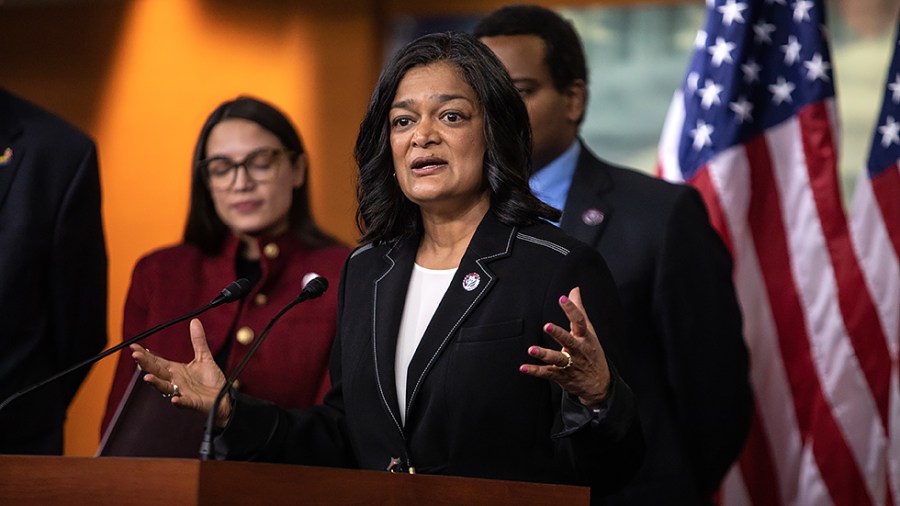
pixel 697 314
pixel 78 271
pixel 603 449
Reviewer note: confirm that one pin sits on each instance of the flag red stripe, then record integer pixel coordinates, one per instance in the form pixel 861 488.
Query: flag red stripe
pixel 758 466
pixel 859 312
pixel 885 187
pixel 717 218
pixel 814 418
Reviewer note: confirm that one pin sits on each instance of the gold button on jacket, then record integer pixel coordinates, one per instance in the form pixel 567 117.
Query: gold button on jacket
pixel 271 250
pixel 245 335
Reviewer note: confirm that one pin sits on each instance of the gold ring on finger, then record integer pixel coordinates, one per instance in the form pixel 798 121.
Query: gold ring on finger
pixel 568 361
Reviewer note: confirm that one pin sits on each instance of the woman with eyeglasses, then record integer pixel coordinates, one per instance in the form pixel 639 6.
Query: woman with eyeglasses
pixel 249 218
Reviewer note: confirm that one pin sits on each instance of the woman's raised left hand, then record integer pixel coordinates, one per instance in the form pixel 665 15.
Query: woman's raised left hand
pixel 580 368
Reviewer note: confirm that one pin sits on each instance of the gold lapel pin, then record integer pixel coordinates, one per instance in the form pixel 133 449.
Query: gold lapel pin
pixel 6 157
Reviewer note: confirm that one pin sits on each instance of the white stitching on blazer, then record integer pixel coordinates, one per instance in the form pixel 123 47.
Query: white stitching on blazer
pixel 361 249
pixel 541 242
pixel 375 343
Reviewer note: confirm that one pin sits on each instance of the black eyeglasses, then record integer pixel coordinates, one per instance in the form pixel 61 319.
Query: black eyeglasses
pixel 260 164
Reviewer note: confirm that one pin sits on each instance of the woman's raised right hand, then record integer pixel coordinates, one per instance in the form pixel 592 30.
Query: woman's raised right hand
pixel 193 385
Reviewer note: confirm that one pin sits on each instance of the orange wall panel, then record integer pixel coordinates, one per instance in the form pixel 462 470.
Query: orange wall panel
pixel 141 76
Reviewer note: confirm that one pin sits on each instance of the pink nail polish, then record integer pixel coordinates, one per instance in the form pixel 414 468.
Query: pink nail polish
pixel 522 368
pixel 548 328
pixel 532 351
pixel 563 300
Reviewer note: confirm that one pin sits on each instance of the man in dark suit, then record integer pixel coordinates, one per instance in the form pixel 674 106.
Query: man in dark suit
pixel 689 364
pixel 52 267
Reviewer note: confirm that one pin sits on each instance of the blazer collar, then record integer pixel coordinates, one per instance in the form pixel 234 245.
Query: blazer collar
pixel 471 283
pixel 12 151
pixel 587 210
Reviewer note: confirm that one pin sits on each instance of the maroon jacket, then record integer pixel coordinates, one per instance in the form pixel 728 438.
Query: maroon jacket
pixel 290 368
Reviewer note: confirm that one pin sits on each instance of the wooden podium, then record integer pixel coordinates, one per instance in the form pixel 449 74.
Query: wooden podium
pixel 81 481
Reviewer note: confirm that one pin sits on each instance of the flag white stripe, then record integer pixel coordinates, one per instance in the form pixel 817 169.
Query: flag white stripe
pixel 734 491
pixel 840 374
pixel 811 488
pixel 670 139
pixel 730 173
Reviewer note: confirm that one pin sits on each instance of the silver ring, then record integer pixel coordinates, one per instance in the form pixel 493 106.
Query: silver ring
pixel 175 392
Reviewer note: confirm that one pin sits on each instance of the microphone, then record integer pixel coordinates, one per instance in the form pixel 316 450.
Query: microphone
pixel 312 289
pixel 235 290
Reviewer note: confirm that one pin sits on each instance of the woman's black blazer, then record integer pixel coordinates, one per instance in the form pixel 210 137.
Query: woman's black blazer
pixel 470 412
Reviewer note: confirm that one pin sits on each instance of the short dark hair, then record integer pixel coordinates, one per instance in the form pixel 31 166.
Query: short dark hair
pixel 384 213
pixel 565 54
pixel 204 228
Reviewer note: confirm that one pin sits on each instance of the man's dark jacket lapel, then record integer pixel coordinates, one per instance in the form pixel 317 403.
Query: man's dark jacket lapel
pixel 11 151
pixel 590 183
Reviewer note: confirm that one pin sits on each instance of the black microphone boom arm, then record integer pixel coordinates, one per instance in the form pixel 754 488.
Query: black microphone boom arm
pixel 314 288
pixel 235 290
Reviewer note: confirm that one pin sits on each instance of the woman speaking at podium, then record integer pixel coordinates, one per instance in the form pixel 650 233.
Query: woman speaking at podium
pixel 474 339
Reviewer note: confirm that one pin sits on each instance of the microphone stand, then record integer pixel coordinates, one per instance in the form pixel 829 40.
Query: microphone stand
pixel 313 289
pixel 234 291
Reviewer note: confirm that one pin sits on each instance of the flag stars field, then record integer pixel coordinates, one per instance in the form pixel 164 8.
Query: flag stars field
pixel 732 12
pixel 890 132
pixel 700 39
pixel 742 109
pixel 721 52
pixel 791 50
pixel 781 91
pixel 702 135
pixel 894 88
pixel 751 71
pixel 801 10
pixel 709 94
pixel 817 67
pixel 762 32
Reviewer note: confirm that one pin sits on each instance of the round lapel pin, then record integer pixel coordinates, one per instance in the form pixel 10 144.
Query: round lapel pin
pixel 592 216
pixel 471 281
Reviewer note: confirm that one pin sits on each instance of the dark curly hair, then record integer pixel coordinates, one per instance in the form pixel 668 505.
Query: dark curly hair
pixel 384 213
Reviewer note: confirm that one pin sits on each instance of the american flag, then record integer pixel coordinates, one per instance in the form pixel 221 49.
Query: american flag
pixel 754 128
pixel 875 227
